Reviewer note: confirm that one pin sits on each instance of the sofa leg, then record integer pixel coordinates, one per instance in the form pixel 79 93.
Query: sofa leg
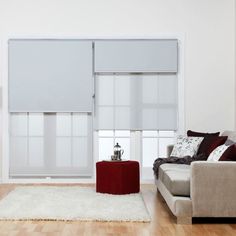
pixel 184 220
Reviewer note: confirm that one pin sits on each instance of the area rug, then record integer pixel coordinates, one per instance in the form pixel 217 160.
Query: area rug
pixel 71 203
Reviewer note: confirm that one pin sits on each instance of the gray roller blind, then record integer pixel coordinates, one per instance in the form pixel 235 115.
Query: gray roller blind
pixel 136 102
pixel 136 55
pixel 50 75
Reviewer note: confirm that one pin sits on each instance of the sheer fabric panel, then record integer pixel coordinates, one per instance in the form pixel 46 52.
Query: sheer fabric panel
pixel 136 102
pixel 55 144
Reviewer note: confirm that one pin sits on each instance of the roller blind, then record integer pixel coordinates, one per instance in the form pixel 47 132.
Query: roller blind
pixel 136 102
pixel 160 55
pixel 51 144
pixel 50 75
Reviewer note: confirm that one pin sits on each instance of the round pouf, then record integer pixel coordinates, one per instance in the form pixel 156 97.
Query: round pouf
pixel 117 177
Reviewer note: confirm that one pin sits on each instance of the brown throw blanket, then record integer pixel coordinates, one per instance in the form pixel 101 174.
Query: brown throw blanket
pixel 187 160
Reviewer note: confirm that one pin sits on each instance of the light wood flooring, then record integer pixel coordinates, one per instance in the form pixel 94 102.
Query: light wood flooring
pixel 163 223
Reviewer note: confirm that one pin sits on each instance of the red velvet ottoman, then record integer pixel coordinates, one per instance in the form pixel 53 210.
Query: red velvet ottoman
pixel 117 177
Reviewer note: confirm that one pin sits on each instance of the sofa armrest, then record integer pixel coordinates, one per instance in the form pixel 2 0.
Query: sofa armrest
pixel 169 149
pixel 213 189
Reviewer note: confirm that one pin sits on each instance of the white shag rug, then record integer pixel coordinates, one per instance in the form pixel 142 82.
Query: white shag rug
pixel 71 203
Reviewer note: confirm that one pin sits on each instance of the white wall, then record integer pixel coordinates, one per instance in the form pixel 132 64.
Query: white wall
pixel 208 27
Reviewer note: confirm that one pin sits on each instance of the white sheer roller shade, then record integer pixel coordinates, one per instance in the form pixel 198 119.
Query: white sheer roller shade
pixel 50 144
pixel 136 102
pixel 50 76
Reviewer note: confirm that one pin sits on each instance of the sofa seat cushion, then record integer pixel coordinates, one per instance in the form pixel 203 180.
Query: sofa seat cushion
pixel 176 178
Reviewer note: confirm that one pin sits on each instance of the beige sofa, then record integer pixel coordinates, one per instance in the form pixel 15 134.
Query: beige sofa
pixel 203 189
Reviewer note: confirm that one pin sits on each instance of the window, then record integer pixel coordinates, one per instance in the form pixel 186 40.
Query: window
pixel 135 105
pixel 145 106
pixel 154 144
pixel 136 102
pixel 50 144
pixel 108 139
pixel 27 139
pixel 113 103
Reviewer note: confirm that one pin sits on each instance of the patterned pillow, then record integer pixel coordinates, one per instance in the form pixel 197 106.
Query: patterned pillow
pixel 186 146
pixel 217 153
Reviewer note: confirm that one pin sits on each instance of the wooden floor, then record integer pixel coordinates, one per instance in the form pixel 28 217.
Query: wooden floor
pixel 162 224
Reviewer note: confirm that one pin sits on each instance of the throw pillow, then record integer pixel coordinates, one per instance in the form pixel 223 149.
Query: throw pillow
pixel 205 146
pixel 229 154
pixel 186 146
pixel 217 153
pixel 210 143
pixel 200 134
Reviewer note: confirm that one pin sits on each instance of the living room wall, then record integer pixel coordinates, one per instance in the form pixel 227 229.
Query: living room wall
pixel 207 27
